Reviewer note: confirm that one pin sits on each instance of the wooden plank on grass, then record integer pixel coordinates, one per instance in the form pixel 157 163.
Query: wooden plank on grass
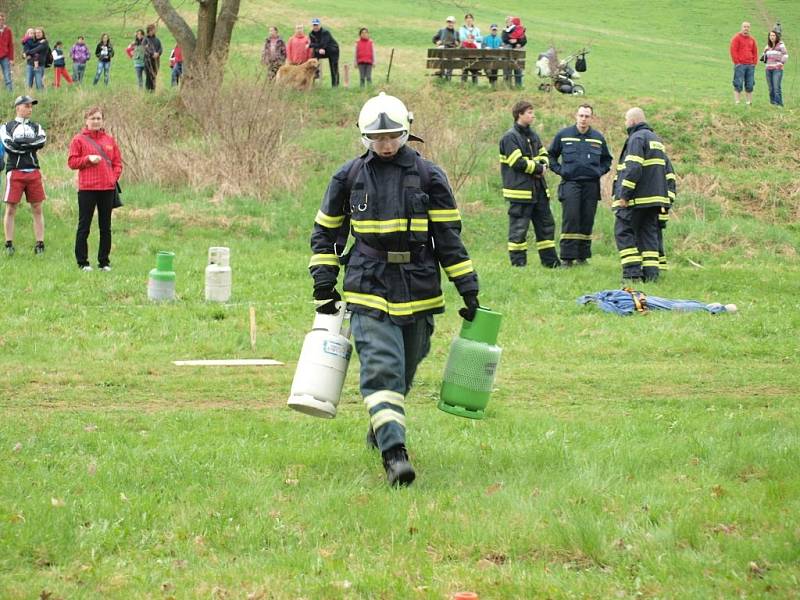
pixel 228 362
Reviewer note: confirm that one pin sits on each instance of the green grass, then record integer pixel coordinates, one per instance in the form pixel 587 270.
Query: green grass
pixel 650 456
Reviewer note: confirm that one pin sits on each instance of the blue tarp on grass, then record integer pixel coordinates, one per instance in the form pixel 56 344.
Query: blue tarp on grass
pixel 626 302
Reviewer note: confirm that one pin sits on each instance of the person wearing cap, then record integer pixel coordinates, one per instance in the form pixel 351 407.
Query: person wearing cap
pixel 447 37
pixel 493 41
pixel 523 163
pixel 402 213
pixel 584 158
pixel 22 138
pixel 323 45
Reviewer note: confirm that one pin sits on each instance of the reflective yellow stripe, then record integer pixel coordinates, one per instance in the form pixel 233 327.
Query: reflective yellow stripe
pixel 649 199
pixel 656 145
pixel 654 161
pixel 545 244
pixel 512 158
pixel 671 195
pixel 594 141
pixel 628 251
pixel 328 221
pixel 631 259
pixel 387 415
pixel 394 308
pixel 444 215
pixel 653 262
pixel 575 236
pixel 543 157
pixel 503 159
pixel 516 247
pixel 385 396
pixel 634 158
pixel 324 259
pixel 531 166
pixel 629 184
pixel 617 203
pixel 650 254
pixel 525 194
pixel 459 269
pixel 663 217
pixel 567 139
pixel 388 226
pixel 419 224
pixel 670 176
pixel 621 166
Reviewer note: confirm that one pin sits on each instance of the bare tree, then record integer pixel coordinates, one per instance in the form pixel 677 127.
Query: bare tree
pixel 205 52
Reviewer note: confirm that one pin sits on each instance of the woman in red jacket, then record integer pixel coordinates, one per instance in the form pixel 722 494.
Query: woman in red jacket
pixel 96 157
pixel 365 56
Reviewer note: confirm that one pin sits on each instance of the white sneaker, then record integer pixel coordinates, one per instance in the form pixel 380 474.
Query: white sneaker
pixel 106 268
pixel 86 268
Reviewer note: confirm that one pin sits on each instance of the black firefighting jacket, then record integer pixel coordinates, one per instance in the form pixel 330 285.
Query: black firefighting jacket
pixel 642 171
pixel 521 158
pixel 390 213
pixel 584 156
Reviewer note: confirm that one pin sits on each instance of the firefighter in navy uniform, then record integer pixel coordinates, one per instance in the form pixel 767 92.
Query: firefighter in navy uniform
pixel 663 216
pixel 403 216
pixel 523 163
pixel 640 192
pixel 584 159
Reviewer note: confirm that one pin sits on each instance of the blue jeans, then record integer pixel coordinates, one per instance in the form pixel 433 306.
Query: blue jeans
pixel 177 71
pixel 103 68
pixel 139 75
pixel 744 74
pixel 389 356
pixel 78 70
pixel 34 76
pixel 6 66
pixel 774 80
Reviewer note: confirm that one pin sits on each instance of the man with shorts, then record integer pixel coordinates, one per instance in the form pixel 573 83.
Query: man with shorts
pixel 744 54
pixel 22 138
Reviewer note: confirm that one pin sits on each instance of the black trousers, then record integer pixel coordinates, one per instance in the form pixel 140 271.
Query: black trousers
pixel 636 231
pixel 520 216
pixel 333 63
pixel 150 73
pixel 87 201
pixel 578 208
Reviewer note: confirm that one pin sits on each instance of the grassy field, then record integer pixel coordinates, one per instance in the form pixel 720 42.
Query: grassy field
pixel 643 457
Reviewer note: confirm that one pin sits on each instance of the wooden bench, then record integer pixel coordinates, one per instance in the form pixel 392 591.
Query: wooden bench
pixel 475 61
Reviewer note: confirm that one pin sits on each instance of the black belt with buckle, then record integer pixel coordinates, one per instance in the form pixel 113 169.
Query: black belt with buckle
pixel 401 258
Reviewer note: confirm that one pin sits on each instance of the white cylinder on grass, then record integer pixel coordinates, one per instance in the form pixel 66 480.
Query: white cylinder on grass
pixel 219 276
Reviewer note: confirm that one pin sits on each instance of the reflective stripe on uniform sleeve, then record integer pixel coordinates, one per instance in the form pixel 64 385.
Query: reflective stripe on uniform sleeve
pixel 324 259
pixel 459 269
pixel 629 184
pixel 444 215
pixel 328 221
pixel 531 166
pixel 512 158
pixel 671 195
pixel 670 176
pixel 654 161
pixel 654 145
pixel 634 158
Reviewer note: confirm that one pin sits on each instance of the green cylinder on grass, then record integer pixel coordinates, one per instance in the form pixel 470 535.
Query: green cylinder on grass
pixel 471 366
pixel 161 280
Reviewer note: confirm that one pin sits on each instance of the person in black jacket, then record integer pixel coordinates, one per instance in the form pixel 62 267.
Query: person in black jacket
pixel 523 163
pixel 152 58
pixel 641 190
pixel 584 159
pixel 39 57
pixel 104 53
pixel 403 216
pixel 323 45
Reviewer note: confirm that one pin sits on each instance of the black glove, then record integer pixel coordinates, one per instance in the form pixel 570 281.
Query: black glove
pixel 332 297
pixel 470 306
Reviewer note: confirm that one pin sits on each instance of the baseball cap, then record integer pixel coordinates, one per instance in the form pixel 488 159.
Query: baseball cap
pixel 25 100
pixel 315 21
pixel 493 26
pixel 450 18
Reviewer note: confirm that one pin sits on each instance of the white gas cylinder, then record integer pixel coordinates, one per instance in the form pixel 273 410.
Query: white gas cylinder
pixel 219 276
pixel 322 366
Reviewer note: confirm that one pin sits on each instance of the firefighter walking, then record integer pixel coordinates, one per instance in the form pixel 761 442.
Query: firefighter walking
pixel 584 159
pixel 406 225
pixel 523 163
pixel 640 192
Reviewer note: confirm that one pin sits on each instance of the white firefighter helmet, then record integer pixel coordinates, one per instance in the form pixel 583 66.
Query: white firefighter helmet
pixel 384 114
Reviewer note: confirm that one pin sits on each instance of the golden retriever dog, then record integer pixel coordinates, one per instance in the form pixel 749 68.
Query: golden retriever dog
pixel 298 77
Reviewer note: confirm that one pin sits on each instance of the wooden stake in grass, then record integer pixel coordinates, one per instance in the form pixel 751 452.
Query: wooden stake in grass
pixel 252 327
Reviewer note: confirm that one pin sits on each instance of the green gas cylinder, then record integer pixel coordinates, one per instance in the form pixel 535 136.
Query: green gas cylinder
pixel 471 366
pixel 161 280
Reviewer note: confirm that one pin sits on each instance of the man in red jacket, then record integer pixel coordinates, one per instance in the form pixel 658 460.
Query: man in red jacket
pixel 6 51
pixel 744 54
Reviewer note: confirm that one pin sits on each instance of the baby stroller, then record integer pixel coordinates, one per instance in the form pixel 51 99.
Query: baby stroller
pixel 559 73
